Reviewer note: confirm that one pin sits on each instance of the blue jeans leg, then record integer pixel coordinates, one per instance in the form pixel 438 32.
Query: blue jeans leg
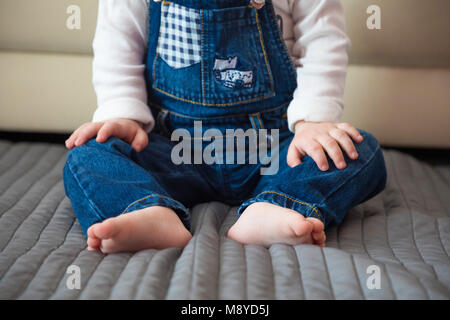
pixel 325 195
pixel 104 180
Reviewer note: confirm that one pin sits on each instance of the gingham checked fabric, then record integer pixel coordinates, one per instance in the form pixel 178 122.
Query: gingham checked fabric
pixel 179 43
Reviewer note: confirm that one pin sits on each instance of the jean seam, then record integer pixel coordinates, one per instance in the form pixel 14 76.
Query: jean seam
pixel 220 117
pixel 203 59
pixel 91 204
pixel 351 177
pixel 264 50
pixel 181 206
pixel 314 209
pixel 214 104
pixel 260 120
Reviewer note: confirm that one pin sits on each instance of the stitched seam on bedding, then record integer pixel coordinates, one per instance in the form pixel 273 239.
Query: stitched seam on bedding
pixel 419 280
pixel 219 239
pixel 413 233
pixel 432 172
pixel 194 254
pixel 222 244
pixel 116 281
pixel 300 272
pixel 29 214
pixel 328 273
pixel 27 170
pixel 245 272
pixel 369 255
pixel 274 287
pixel 427 168
pixel 338 234
pixel 24 285
pixel 29 188
pixel 91 276
pixel 352 259
pixel 297 268
pixel 442 204
pixel 135 289
pixel 5 152
pixel 439 174
pixel 363 242
pixel 31 185
pixel 439 236
pixel 31 248
pixel 170 275
pixel 385 268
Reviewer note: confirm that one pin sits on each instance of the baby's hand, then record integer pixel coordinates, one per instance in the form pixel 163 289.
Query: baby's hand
pixel 126 129
pixel 313 138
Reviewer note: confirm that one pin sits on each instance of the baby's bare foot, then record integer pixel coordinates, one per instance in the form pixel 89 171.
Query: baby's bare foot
pixel 152 227
pixel 264 224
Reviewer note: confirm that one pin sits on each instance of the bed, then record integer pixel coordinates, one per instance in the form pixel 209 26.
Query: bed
pixel 394 246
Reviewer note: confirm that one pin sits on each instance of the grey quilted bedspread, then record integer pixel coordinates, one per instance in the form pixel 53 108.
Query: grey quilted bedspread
pixel 402 235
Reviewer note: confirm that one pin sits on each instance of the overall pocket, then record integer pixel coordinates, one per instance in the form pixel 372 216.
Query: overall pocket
pixel 179 43
pixel 211 57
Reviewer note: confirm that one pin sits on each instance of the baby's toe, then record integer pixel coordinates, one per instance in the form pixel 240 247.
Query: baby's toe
pixel 93 243
pixel 319 238
pixel 90 232
pixel 317 224
pixel 106 230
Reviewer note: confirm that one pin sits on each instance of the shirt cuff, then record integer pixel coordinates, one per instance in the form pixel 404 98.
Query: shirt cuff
pixel 313 110
pixel 125 108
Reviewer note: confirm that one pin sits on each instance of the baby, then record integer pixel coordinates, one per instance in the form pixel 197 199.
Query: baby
pixel 271 69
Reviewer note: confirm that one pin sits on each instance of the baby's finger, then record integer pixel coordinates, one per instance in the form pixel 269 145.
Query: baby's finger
pixel 345 142
pixel 315 151
pixel 333 150
pixel 140 141
pixel 294 156
pixel 70 141
pixel 86 133
pixel 108 129
pixel 351 130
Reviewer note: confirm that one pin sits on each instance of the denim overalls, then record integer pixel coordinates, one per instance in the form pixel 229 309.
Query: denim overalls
pixel 220 64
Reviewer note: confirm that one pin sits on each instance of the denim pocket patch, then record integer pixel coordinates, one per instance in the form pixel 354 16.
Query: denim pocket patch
pixel 226 73
pixel 179 43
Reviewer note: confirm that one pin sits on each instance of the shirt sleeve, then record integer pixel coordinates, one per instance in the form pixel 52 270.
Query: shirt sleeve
pixel 320 52
pixel 119 46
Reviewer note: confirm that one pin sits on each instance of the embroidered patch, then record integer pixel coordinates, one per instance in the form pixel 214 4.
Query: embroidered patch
pixel 229 76
pixel 179 43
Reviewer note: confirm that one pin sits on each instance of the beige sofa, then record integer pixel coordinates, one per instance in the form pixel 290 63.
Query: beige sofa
pixel 398 84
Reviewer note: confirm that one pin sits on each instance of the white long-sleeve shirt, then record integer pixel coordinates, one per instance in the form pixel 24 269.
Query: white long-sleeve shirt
pixel 313 30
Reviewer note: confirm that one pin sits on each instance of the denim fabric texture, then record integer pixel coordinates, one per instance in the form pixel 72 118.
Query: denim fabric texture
pixel 243 48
